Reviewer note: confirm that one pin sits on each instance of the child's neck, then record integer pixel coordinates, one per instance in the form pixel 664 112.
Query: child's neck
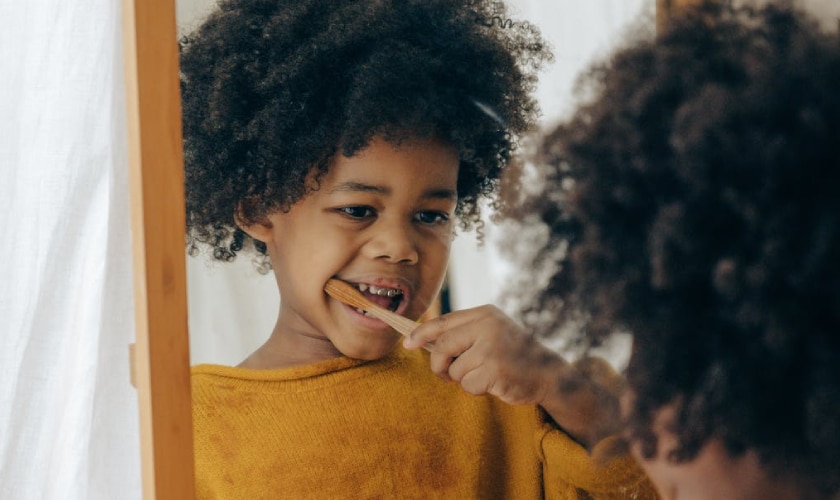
pixel 283 350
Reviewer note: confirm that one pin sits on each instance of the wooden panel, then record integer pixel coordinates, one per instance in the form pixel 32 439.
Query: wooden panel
pixel 161 351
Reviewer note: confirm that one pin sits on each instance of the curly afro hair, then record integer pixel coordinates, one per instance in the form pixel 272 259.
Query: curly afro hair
pixel 692 202
pixel 273 89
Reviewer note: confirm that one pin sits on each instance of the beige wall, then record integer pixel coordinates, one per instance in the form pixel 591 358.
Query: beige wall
pixel 190 12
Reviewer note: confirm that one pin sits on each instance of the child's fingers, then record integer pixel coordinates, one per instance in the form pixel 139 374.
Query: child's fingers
pixel 470 360
pixel 450 336
pixel 476 382
pixel 448 347
pixel 430 331
pixel 440 365
pixel 479 372
pixel 426 333
pixel 478 375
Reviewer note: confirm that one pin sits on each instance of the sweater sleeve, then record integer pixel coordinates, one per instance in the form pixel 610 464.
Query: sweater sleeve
pixel 565 462
pixel 602 474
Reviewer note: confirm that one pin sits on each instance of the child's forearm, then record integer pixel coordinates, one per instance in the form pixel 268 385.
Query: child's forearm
pixel 583 399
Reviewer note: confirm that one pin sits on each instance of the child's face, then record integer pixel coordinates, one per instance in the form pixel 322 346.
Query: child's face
pixel 382 218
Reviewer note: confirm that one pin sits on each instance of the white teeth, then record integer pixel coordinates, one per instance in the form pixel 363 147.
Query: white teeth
pixel 381 291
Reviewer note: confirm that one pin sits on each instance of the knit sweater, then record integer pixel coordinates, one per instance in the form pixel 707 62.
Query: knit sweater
pixel 389 428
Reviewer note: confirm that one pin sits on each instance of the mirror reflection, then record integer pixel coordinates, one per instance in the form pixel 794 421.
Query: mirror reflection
pixel 361 178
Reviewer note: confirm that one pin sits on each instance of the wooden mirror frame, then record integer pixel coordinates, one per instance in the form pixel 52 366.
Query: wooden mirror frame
pixel 160 360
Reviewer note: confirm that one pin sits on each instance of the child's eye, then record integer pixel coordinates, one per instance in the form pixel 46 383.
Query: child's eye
pixel 357 212
pixel 432 217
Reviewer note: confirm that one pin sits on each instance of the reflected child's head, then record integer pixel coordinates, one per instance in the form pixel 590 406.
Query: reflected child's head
pixel 697 194
pixel 273 90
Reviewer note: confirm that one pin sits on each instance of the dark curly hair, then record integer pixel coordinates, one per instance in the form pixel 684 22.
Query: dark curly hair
pixel 693 202
pixel 273 89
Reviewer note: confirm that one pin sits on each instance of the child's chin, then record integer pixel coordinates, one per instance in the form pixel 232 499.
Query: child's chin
pixel 371 352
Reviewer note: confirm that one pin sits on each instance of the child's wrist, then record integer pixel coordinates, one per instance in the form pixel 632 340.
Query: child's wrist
pixel 581 403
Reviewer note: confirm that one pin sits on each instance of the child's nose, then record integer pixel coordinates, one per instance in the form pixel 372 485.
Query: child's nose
pixel 393 242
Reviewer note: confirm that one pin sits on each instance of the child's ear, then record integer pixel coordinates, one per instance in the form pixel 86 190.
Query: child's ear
pixel 262 230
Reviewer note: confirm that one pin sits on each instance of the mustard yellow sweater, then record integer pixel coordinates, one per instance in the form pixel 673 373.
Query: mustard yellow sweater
pixel 385 429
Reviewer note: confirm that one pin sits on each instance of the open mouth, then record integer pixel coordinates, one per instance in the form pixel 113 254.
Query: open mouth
pixel 387 298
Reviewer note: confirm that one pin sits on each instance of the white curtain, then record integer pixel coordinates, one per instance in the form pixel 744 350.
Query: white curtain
pixel 68 414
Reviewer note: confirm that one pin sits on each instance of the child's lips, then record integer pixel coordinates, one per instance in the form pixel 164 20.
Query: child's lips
pixel 345 293
pixel 368 321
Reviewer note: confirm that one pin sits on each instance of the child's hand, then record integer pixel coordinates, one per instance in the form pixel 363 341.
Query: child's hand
pixel 486 352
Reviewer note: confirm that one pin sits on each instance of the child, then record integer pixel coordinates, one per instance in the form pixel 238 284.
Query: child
pixel 697 193
pixel 342 140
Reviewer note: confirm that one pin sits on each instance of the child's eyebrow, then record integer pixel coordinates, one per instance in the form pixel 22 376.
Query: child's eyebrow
pixel 344 187
pixel 352 186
